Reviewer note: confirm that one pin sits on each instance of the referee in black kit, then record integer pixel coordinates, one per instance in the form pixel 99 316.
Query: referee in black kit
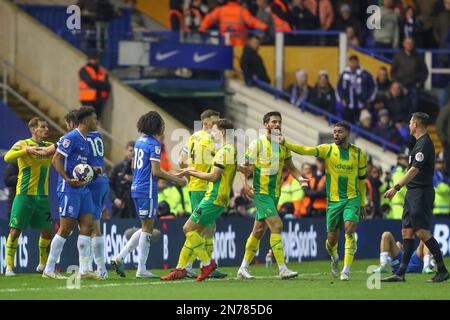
pixel 418 207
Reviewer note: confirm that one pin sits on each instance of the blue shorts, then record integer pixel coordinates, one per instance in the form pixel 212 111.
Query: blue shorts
pixel 415 264
pixel 99 192
pixel 72 205
pixel 146 208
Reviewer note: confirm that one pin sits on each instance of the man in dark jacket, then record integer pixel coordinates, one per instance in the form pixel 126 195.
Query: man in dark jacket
pixel 355 89
pixel 120 180
pixel 10 180
pixel 410 70
pixel 251 62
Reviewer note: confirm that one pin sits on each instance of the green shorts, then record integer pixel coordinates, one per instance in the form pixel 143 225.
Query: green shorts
pixel 266 206
pixel 196 197
pixel 206 214
pixel 340 211
pixel 31 212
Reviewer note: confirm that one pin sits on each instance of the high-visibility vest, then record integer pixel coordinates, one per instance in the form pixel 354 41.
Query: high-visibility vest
pixel 398 200
pixel 232 18
pixel 320 203
pixel 179 15
pixel 442 199
pixel 88 94
pixel 281 5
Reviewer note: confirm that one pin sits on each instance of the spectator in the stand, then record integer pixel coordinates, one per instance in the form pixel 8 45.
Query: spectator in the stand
pixel 252 64
pixel 323 95
pixel 300 90
pixel 164 211
pixel 171 195
pixel 325 13
pixel 396 103
pixel 388 35
pixel 345 19
pixel 411 27
pixel 385 129
pixel 374 183
pixel 194 14
pixel 165 162
pixel 291 192
pixel 317 195
pixel 10 180
pixel 441 31
pixel 281 9
pixel 383 80
pixel 320 168
pixel 410 70
pixel 443 131
pixel 355 90
pixel 351 36
pixel 365 120
pixel 120 179
pixel 234 19
pixel 176 16
pixel 441 186
pixel 94 86
pixel 398 201
pixel 273 22
pixel 302 19
pixel 426 15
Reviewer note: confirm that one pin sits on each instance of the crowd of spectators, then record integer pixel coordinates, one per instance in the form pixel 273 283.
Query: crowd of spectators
pixel 425 21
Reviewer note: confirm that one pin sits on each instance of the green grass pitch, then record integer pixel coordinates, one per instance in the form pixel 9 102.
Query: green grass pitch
pixel 314 282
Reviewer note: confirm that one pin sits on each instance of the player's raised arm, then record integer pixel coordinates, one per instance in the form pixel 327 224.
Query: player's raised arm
pixel 18 150
pixel 302 150
pixel 208 176
pixel 161 173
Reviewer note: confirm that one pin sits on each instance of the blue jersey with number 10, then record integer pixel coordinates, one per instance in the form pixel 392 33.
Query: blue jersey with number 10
pixel 145 184
pixel 96 154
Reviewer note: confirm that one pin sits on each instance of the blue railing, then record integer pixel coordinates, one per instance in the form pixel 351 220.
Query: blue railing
pixel 329 116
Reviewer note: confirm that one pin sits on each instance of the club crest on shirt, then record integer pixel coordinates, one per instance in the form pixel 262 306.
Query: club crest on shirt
pixel 419 157
pixel 66 143
pixel 157 149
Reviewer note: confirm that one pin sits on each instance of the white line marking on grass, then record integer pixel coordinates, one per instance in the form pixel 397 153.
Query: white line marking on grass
pixel 155 283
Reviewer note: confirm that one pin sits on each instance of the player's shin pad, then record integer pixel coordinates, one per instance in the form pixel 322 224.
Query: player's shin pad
pixel 251 247
pixel 350 249
pixel 277 247
pixel 332 250
pixel 197 243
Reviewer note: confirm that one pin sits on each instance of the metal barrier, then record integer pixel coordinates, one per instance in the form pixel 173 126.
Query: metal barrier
pixel 330 117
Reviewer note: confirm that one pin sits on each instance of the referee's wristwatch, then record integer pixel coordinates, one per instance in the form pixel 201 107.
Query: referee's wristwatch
pixel 397 187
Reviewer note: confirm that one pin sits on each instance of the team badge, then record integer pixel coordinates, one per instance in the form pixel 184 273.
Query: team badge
pixel 157 149
pixel 419 157
pixel 66 143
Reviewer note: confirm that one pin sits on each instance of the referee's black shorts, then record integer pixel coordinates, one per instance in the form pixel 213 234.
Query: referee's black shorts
pixel 418 208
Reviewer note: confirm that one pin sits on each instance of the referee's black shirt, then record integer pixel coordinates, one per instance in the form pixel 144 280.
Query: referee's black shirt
pixel 422 157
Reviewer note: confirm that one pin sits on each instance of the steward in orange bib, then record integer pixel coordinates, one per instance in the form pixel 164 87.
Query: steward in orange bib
pixel 94 85
pixel 232 18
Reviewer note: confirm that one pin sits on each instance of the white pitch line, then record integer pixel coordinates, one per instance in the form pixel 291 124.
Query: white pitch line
pixel 155 283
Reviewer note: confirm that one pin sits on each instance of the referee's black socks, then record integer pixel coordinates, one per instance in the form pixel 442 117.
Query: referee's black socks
pixel 435 250
pixel 408 249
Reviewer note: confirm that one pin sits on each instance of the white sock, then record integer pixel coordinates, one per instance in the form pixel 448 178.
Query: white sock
pixel 84 248
pixel 144 249
pixel 346 269
pixel 56 248
pixel 427 261
pixel 189 265
pixel 91 261
pixel 131 245
pixel 98 248
pixel 282 267
pixel 384 258
pixel 245 264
